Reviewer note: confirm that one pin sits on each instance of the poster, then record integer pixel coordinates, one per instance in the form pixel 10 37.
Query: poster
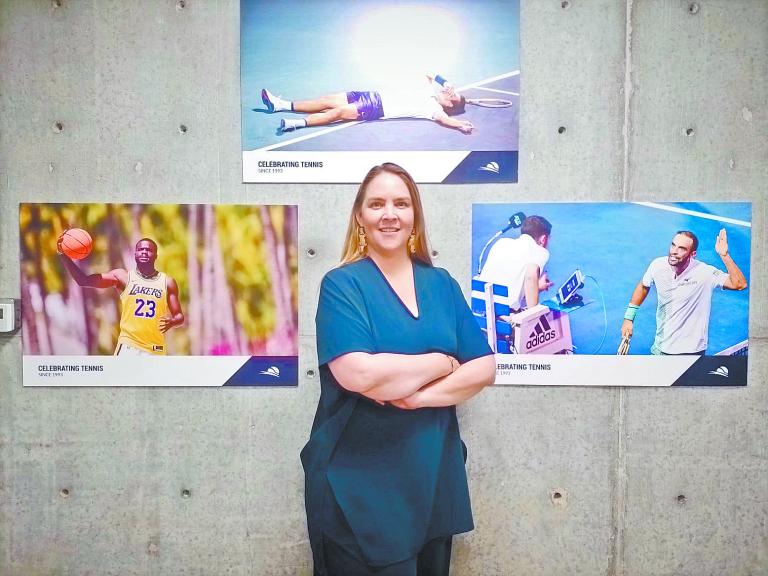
pixel 358 75
pixel 158 295
pixel 629 294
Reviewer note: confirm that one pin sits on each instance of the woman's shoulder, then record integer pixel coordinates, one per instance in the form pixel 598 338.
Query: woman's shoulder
pixel 346 274
pixel 439 276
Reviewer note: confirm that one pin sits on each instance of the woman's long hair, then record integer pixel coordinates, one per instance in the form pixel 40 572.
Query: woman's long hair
pixel 351 251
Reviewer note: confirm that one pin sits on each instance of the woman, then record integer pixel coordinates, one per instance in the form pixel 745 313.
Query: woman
pixel 398 348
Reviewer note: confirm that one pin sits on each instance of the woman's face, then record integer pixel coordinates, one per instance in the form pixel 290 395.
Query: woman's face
pixel 387 214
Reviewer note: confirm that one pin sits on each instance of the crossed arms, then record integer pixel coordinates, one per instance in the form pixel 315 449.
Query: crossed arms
pixel 411 381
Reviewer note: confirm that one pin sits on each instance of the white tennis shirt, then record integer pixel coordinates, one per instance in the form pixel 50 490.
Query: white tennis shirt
pixel 416 101
pixel 684 305
pixel 507 260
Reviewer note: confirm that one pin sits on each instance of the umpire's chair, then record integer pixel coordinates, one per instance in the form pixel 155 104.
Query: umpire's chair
pixel 535 330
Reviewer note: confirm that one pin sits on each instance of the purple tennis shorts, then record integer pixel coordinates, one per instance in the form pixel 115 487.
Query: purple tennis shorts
pixel 368 104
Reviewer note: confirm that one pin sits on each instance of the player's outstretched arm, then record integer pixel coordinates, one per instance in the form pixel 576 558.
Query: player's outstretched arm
pixel 116 278
pixel 736 279
pixel 638 297
pixel 176 316
pixel 464 126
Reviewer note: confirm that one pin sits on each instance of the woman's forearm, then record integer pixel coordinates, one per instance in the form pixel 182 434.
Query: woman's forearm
pixel 389 376
pixel 455 388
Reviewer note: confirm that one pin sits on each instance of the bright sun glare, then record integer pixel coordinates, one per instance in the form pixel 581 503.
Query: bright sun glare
pixel 396 43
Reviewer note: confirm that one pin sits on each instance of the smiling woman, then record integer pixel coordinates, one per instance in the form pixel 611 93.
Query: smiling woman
pixel 398 348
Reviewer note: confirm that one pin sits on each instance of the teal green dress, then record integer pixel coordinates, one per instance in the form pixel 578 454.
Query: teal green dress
pixel 379 481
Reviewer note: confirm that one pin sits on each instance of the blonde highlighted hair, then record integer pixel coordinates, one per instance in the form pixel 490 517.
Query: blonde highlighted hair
pixel 351 251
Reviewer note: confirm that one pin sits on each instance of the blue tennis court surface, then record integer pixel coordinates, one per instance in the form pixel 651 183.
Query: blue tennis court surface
pixel 303 50
pixel 614 243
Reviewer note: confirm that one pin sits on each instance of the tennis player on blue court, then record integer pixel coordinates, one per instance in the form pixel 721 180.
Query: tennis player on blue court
pixel 684 289
pixel 434 100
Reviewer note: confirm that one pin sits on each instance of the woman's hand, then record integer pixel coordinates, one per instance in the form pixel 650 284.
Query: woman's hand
pixel 408 403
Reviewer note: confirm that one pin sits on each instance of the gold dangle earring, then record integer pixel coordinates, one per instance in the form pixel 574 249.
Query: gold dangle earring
pixel 362 242
pixel 412 243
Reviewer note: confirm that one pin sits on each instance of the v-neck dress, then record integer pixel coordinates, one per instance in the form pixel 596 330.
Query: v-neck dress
pixel 380 481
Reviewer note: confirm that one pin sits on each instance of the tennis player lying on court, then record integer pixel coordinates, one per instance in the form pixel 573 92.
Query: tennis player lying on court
pixel 684 288
pixel 433 100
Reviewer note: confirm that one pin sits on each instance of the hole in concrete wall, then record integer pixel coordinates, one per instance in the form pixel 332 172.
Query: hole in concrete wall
pixel 51 167
pixel 558 497
pixel 153 548
pixel 689 131
pixel 64 493
pixel 561 130
pixel 311 253
pixel 693 8
pixel 57 127
pixel 180 5
pixel 182 129
pixel 565 4
pixel 186 493
pixel 310 373
pixel 435 253
pixel 681 499
pixel 56 3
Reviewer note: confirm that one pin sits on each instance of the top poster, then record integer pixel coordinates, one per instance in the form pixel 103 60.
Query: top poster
pixel 331 88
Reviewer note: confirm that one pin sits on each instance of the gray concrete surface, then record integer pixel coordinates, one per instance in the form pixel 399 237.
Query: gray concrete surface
pixel 655 482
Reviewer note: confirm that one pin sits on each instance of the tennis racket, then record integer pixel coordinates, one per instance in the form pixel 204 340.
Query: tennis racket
pixel 489 102
pixel 623 347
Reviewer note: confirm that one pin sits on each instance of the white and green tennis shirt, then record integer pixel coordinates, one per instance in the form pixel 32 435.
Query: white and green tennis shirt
pixel 684 304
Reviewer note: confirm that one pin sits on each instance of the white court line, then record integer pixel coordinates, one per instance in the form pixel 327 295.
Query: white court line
pixel 348 124
pixel 694 213
pixel 308 136
pixel 499 91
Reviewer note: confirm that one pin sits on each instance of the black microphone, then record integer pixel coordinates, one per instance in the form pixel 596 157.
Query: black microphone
pixel 515 221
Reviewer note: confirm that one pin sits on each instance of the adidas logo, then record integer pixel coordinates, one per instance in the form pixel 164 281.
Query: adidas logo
pixel 722 371
pixel 542 333
pixel 271 371
pixel 490 167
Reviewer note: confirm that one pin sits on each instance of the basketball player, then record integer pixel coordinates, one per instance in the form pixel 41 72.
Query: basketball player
pixel 149 300
pixel 434 100
pixel 684 288
pixel 518 263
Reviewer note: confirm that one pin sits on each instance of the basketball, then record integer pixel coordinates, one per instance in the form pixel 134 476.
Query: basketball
pixel 75 243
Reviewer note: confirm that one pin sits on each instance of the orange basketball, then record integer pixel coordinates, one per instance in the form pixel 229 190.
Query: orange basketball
pixel 76 243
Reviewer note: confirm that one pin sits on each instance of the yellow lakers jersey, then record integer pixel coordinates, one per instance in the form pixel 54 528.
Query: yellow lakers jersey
pixel 143 303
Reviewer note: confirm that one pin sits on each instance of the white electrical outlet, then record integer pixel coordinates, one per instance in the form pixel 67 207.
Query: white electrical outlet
pixel 10 315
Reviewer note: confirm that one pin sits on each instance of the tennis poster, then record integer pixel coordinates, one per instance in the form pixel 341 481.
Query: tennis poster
pixel 331 88
pixel 614 294
pixel 159 295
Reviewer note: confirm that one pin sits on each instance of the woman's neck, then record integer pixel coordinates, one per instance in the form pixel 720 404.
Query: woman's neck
pixel 390 263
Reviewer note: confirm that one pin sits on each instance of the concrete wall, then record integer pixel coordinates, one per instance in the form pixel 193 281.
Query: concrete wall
pixel 654 482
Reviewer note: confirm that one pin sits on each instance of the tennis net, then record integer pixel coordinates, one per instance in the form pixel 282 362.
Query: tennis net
pixel 740 349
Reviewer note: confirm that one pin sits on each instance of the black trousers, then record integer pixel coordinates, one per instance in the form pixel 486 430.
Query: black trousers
pixel 433 560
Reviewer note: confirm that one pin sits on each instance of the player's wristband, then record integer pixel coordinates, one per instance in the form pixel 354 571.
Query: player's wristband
pixel 631 312
pixel 440 80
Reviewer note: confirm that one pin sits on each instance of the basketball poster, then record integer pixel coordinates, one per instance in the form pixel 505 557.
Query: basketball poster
pixel 614 294
pixel 159 295
pixel 330 89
